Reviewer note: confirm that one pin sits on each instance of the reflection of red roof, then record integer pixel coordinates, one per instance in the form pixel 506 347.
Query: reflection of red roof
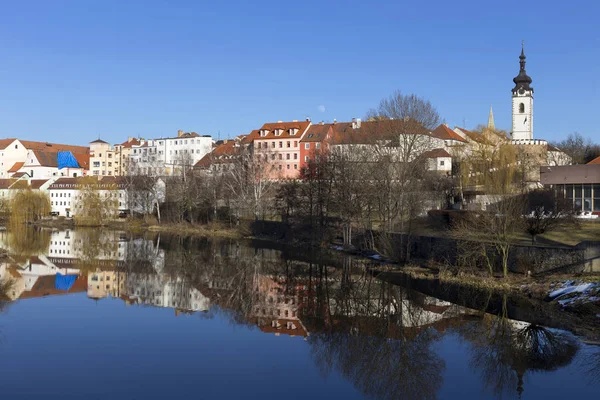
pixel 19 174
pixel 264 324
pixel 45 286
pixel 16 166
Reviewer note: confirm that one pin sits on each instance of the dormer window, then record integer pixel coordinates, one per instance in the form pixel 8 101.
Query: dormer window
pixel 293 131
pixel 263 132
pixel 278 132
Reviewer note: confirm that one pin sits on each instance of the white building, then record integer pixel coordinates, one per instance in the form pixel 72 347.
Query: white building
pixel 14 152
pixel 522 104
pixel 65 192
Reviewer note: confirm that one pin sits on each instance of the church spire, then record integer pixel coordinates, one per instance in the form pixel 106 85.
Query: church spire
pixel 522 81
pixel 491 125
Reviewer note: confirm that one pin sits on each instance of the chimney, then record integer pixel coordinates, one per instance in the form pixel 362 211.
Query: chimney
pixel 295 120
pixel 358 123
pixel 322 123
pixel 334 121
pixel 179 133
pixel 353 123
pixel 307 119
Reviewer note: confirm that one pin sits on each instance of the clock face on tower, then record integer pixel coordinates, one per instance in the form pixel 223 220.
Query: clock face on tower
pixel 521 91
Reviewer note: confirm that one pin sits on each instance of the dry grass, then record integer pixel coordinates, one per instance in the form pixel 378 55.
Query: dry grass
pixel 210 230
pixel 573 235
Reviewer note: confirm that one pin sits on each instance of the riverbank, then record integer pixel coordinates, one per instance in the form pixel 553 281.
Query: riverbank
pixel 564 301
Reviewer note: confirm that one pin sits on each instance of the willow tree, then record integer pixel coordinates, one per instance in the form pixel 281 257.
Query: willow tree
pixel 28 206
pixel 494 170
pixel 96 203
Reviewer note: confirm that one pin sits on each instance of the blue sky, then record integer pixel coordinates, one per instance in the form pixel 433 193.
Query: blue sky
pixel 71 71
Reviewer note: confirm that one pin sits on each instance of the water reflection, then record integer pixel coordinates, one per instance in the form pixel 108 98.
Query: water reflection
pixel 379 336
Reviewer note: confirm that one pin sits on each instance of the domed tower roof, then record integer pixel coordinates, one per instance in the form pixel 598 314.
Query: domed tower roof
pixel 522 81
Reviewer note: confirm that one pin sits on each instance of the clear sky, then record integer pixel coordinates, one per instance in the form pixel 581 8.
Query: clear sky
pixel 71 71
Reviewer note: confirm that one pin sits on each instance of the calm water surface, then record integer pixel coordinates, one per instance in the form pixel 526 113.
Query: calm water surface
pixel 101 315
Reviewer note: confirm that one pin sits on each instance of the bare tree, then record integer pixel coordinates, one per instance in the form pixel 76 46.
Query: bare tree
pixel 579 148
pixel 250 182
pixel 547 211
pixel 401 106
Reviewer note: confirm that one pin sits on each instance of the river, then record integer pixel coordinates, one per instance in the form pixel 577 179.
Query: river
pixel 106 315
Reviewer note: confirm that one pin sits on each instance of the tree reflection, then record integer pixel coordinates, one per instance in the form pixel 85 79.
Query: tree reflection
pixel 27 241
pixel 504 350
pixel 378 338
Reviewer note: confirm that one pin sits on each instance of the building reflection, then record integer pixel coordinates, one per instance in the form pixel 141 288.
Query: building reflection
pixel 378 335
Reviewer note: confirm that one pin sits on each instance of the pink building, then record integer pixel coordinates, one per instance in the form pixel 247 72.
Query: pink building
pixel 278 144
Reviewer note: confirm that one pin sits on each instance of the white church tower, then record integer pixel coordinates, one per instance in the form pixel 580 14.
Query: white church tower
pixel 522 104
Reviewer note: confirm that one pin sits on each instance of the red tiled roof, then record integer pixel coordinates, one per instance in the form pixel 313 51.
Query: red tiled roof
pixel 436 153
pixel 4 143
pixel 373 131
pixel 83 160
pixel 53 147
pixel 6 183
pixel 595 161
pixel 130 143
pixel 46 159
pixel 317 133
pixel 99 141
pixel 37 183
pixel 223 153
pixel 16 166
pixel 445 133
pixel 285 127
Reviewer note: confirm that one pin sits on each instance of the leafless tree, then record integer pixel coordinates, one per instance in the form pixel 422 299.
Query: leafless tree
pixel 400 106
pixel 250 182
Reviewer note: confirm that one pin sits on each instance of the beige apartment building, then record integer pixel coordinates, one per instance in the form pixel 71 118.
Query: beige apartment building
pixel 104 160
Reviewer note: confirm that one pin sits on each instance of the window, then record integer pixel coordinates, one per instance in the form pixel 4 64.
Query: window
pixel 578 199
pixel 288 166
pixel 587 197
pixel 289 144
pixel 287 156
pixel 281 156
pixel 318 145
pixel 16 146
pixel 306 158
pixel 307 146
pixel 441 163
pixel 521 108
pixel 273 145
pixel 280 144
pixel 596 197
pixel 280 167
pixel 295 166
pixel 295 143
pixel 295 156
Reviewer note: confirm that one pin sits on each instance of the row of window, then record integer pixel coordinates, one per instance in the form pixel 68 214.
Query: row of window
pixel 586 197
pixel 264 145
